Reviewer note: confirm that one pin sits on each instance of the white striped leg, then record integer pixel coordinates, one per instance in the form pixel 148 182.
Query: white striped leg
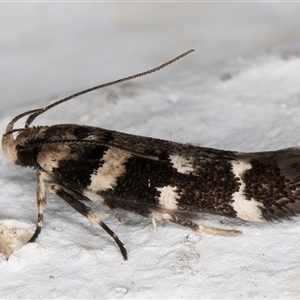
pixel 41 204
pixel 91 215
pixel 201 228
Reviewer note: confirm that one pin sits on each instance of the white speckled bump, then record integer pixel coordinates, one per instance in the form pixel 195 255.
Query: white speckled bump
pixel 181 164
pixel 248 210
pixel 113 167
pixel 168 197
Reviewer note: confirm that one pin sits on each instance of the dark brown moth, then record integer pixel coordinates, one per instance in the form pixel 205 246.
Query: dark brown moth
pixel 153 178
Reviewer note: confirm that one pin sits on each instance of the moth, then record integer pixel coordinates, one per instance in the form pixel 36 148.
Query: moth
pixel 154 178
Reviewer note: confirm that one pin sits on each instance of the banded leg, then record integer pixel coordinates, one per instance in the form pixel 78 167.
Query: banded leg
pixel 91 215
pixel 201 228
pixel 118 216
pixel 41 203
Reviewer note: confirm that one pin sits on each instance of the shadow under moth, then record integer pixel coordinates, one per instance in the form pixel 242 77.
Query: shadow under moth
pixel 156 179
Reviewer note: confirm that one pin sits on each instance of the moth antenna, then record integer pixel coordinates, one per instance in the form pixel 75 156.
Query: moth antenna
pixel 40 111
pixel 8 142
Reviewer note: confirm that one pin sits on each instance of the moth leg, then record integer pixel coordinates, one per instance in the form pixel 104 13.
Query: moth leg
pixel 154 225
pixel 91 215
pixel 118 216
pixel 201 228
pixel 41 203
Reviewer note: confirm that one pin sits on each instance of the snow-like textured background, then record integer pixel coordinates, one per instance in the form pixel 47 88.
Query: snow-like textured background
pixel 240 90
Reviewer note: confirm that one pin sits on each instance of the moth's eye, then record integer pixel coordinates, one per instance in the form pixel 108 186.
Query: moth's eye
pixel 27 157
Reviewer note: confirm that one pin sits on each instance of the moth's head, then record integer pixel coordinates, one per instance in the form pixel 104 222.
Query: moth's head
pixel 21 150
